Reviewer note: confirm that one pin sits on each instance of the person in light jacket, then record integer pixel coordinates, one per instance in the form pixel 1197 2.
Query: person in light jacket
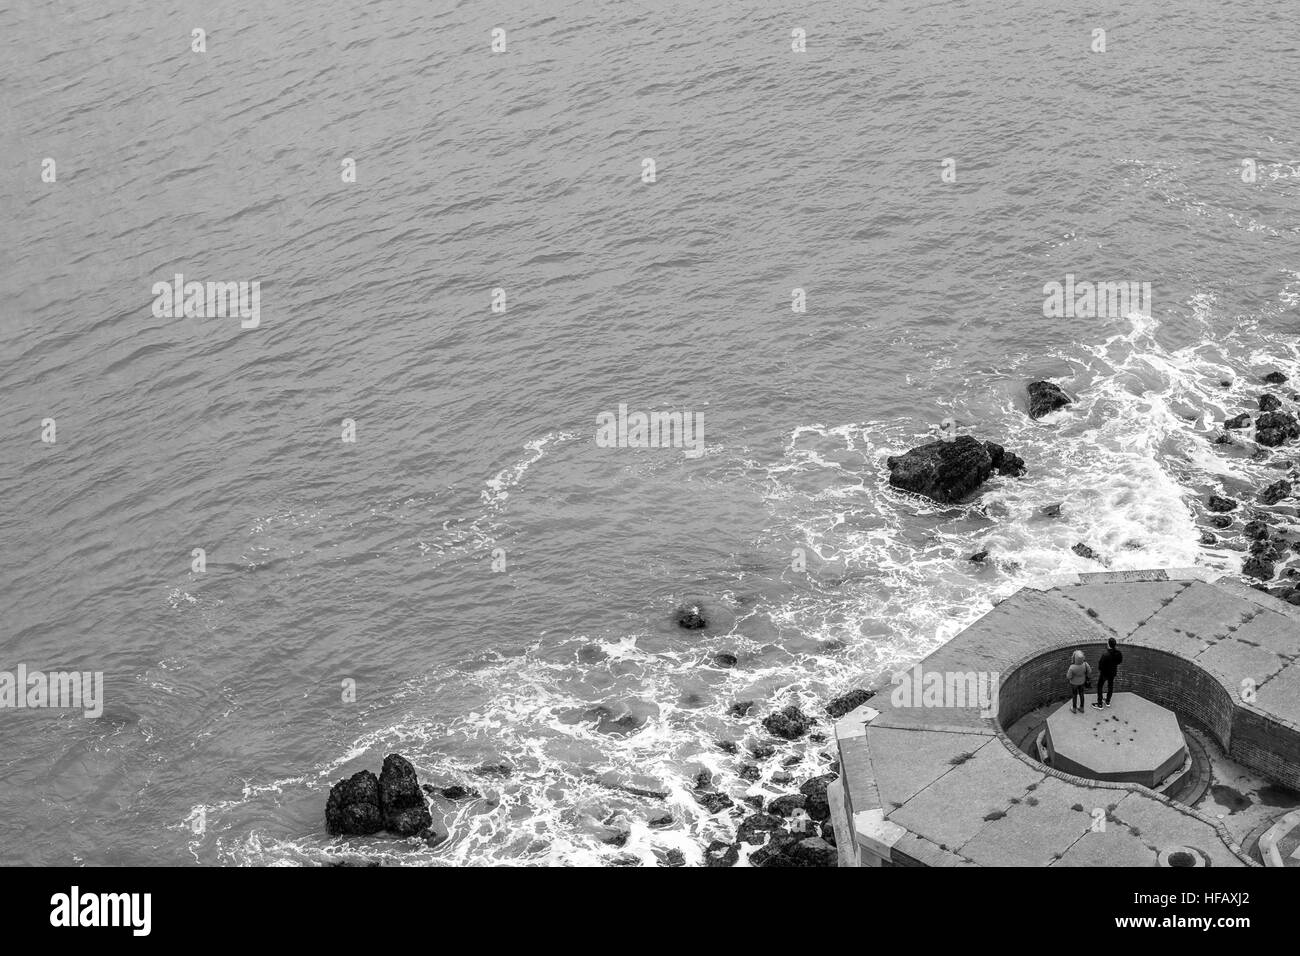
pixel 1078 676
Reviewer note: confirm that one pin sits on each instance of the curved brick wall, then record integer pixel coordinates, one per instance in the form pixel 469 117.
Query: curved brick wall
pixel 1166 679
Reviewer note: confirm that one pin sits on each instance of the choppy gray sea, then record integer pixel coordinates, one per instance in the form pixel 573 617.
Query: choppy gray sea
pixel 372 561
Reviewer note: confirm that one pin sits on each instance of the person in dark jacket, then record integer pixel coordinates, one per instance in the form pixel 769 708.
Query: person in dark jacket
pixel 1107 667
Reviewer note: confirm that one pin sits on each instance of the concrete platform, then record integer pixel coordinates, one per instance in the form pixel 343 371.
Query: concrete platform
pixel 1132 740
pixel 934 780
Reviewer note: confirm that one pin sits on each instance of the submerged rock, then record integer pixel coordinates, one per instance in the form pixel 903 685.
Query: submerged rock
pixel 1221 521
pixel 848 701
pixel 1045 398
pixel 1220 504
pixel 978 557
pixel 400 798
pixel 714 802
pixel 690 618
pixel 762 750
pixel 740 708
pixel 724 659
pixel 719 853
pixel 673 857
pixel 1276 492
pixel 1238 421
pixel 948 471
pixel 353 806
pixel 1208 538
pixel 1275 378
pixel 1269 403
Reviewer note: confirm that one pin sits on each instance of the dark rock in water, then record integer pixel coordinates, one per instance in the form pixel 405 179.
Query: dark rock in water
pixel 690 618
pixel 1209 538
pixel 749 772
pixel 849 701
pixel 400 799
pixel 789 723
pixel 714 802
pixel 703 780
pixel 813 851
pixel 1273 428
pixel 1051 511
pixel 719 853
pixel 1221 521
pixel 1269 402
pixel 782 777
pixel 1256 529
pixel 494 770
pixel 353 806
pixel 1222 438
pixel 1258 567
pixel 1045 398
pixel 740 708
pixel 673 857
pixel 946 471
pixel 635 791
pixel 457 792
pixel 728 746
pixel 756 827
pixel 724 659
pixel 660 819
pixel 753 800
pixel 625 859
pixel 1220 504
pixel 1225 383
pixel 1238 421
pixel 815 791
pixel 791 760
pixel 618 838
pixel 817 738
pixel 1005 463
pixel 978 557
pixel 774 853
pixel 432 837
pixel 1276 492
pixel 784 806
pixel 1264 548
pixel 828 833
pixel 1275 378
pixel 1083 551
pixel 762 750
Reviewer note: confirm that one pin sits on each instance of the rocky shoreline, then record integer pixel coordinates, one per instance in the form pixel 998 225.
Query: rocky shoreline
pixel 793 828
pixel 788 829
pixel 1262 522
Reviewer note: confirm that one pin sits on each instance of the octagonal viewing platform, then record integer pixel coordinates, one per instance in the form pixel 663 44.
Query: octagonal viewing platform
pixel 1131 741
pixel 942 784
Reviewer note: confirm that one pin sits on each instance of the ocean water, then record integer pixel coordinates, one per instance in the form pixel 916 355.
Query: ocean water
pixel 372 561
